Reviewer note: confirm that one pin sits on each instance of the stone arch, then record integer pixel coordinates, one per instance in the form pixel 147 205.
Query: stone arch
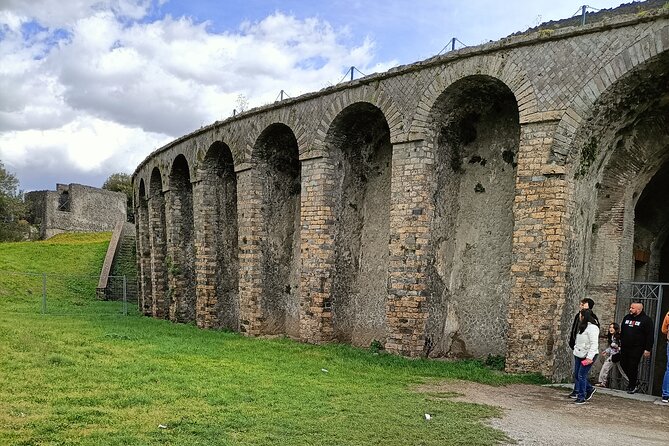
pixel 474 132
pixel 219 135
pixel 287 117
pixel 275 160
pixel 155 182
pixel 581 108
pixel 184 153
pixel 217 240
pixel 180 241
pixel 615 150
pixel 358 158
pixel 158 245
pixel 372 94
pixel 143 249
pixel 514 77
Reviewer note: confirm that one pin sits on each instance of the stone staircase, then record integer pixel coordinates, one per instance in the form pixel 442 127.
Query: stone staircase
pixel 121 261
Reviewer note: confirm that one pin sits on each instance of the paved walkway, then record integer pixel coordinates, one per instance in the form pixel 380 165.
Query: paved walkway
pixel 543 415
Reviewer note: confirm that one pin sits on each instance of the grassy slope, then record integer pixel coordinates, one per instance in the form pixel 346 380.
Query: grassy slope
pixel 90 380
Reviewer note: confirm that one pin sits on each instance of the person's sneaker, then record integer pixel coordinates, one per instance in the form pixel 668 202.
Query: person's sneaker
pixel 588 395
pixel 579 401
pixel 634 390
pixel 665 399
pixel 572 395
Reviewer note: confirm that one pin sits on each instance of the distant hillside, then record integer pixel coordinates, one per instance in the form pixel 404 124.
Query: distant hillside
pixel 67 264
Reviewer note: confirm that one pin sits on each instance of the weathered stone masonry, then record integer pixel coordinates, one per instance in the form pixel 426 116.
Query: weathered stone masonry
pixel 459 206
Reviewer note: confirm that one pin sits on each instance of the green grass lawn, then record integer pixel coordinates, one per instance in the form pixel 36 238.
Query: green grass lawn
pixel 98 378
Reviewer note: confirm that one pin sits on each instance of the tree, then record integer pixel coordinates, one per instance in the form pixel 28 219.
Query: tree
pixel 242 103
pixel 12 208
pixel 121 182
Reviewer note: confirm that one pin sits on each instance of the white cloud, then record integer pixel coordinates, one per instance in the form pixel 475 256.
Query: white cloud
pixel 84 144
pixel 90 82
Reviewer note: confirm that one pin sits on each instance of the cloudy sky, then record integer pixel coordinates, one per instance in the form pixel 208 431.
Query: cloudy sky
pixel 90 87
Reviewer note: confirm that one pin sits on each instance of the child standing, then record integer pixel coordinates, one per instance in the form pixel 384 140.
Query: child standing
pixel 612 354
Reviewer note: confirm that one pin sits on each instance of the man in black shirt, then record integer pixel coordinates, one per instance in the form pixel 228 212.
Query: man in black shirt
pixel 636 340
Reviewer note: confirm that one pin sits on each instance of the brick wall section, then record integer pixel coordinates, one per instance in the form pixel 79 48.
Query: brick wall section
pixel 180 254
pixel 317 249
pixel 410 217
pixel 538 293
pixel 205 218
pixel 251 233
pixel 143 257
pixel 159 297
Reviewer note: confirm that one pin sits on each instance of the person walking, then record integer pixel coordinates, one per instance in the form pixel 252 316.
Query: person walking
pixel 586 347
pixel 636 340
pixel 612 354
pixel 665 381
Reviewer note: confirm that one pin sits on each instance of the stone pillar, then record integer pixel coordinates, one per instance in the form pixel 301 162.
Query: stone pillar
pixel 157 241
pixel 143 256
pixel 411 212
pixel 317 249
pixel 180 256
pixel 205 219
pixel 251 235
pixel 539 267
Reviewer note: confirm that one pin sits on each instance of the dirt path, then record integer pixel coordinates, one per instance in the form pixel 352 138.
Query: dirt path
pixel 536 415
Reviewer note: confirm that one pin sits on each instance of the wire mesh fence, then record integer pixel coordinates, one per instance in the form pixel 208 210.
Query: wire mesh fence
pixel 63 294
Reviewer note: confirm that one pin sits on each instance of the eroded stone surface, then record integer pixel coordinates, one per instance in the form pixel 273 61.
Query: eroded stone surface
pixel 459 206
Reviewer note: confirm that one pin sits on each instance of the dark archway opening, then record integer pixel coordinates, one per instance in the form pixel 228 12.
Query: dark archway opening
pixel 219 205
pixel 181 261
pixel 277 158
pixel 476 137
pixel 359 140
pixel 651 222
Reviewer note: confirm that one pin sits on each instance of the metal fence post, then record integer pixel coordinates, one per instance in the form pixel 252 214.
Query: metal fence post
pixel 125 296
pixel 43 293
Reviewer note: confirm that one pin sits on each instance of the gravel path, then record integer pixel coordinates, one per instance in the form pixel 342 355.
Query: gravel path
pixel 537 415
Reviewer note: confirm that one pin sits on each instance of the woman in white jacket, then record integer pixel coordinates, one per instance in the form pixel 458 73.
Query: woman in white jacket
pixel 585 351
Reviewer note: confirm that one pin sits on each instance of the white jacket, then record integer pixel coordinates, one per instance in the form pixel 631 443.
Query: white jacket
pixel 587 343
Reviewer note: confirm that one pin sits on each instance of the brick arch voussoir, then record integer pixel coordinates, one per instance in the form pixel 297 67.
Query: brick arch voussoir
pixel 261 123
pixel 203 148
pixel 507 72
pixel 161 172
pixel 189 152
pixel 369 94
pixel 582 106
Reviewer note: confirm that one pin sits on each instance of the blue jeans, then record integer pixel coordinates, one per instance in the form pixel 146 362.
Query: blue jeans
pixel 665 382
pixel 581 385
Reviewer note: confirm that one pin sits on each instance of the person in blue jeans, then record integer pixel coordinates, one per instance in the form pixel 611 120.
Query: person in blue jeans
pixel 586 348
pixel 665 382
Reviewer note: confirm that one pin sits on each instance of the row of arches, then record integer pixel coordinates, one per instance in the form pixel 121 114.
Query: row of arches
pixel 447 241
pixel 304 247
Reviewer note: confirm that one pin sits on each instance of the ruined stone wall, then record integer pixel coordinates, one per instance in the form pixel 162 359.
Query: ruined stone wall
pixel 446 208
pixel 76 208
